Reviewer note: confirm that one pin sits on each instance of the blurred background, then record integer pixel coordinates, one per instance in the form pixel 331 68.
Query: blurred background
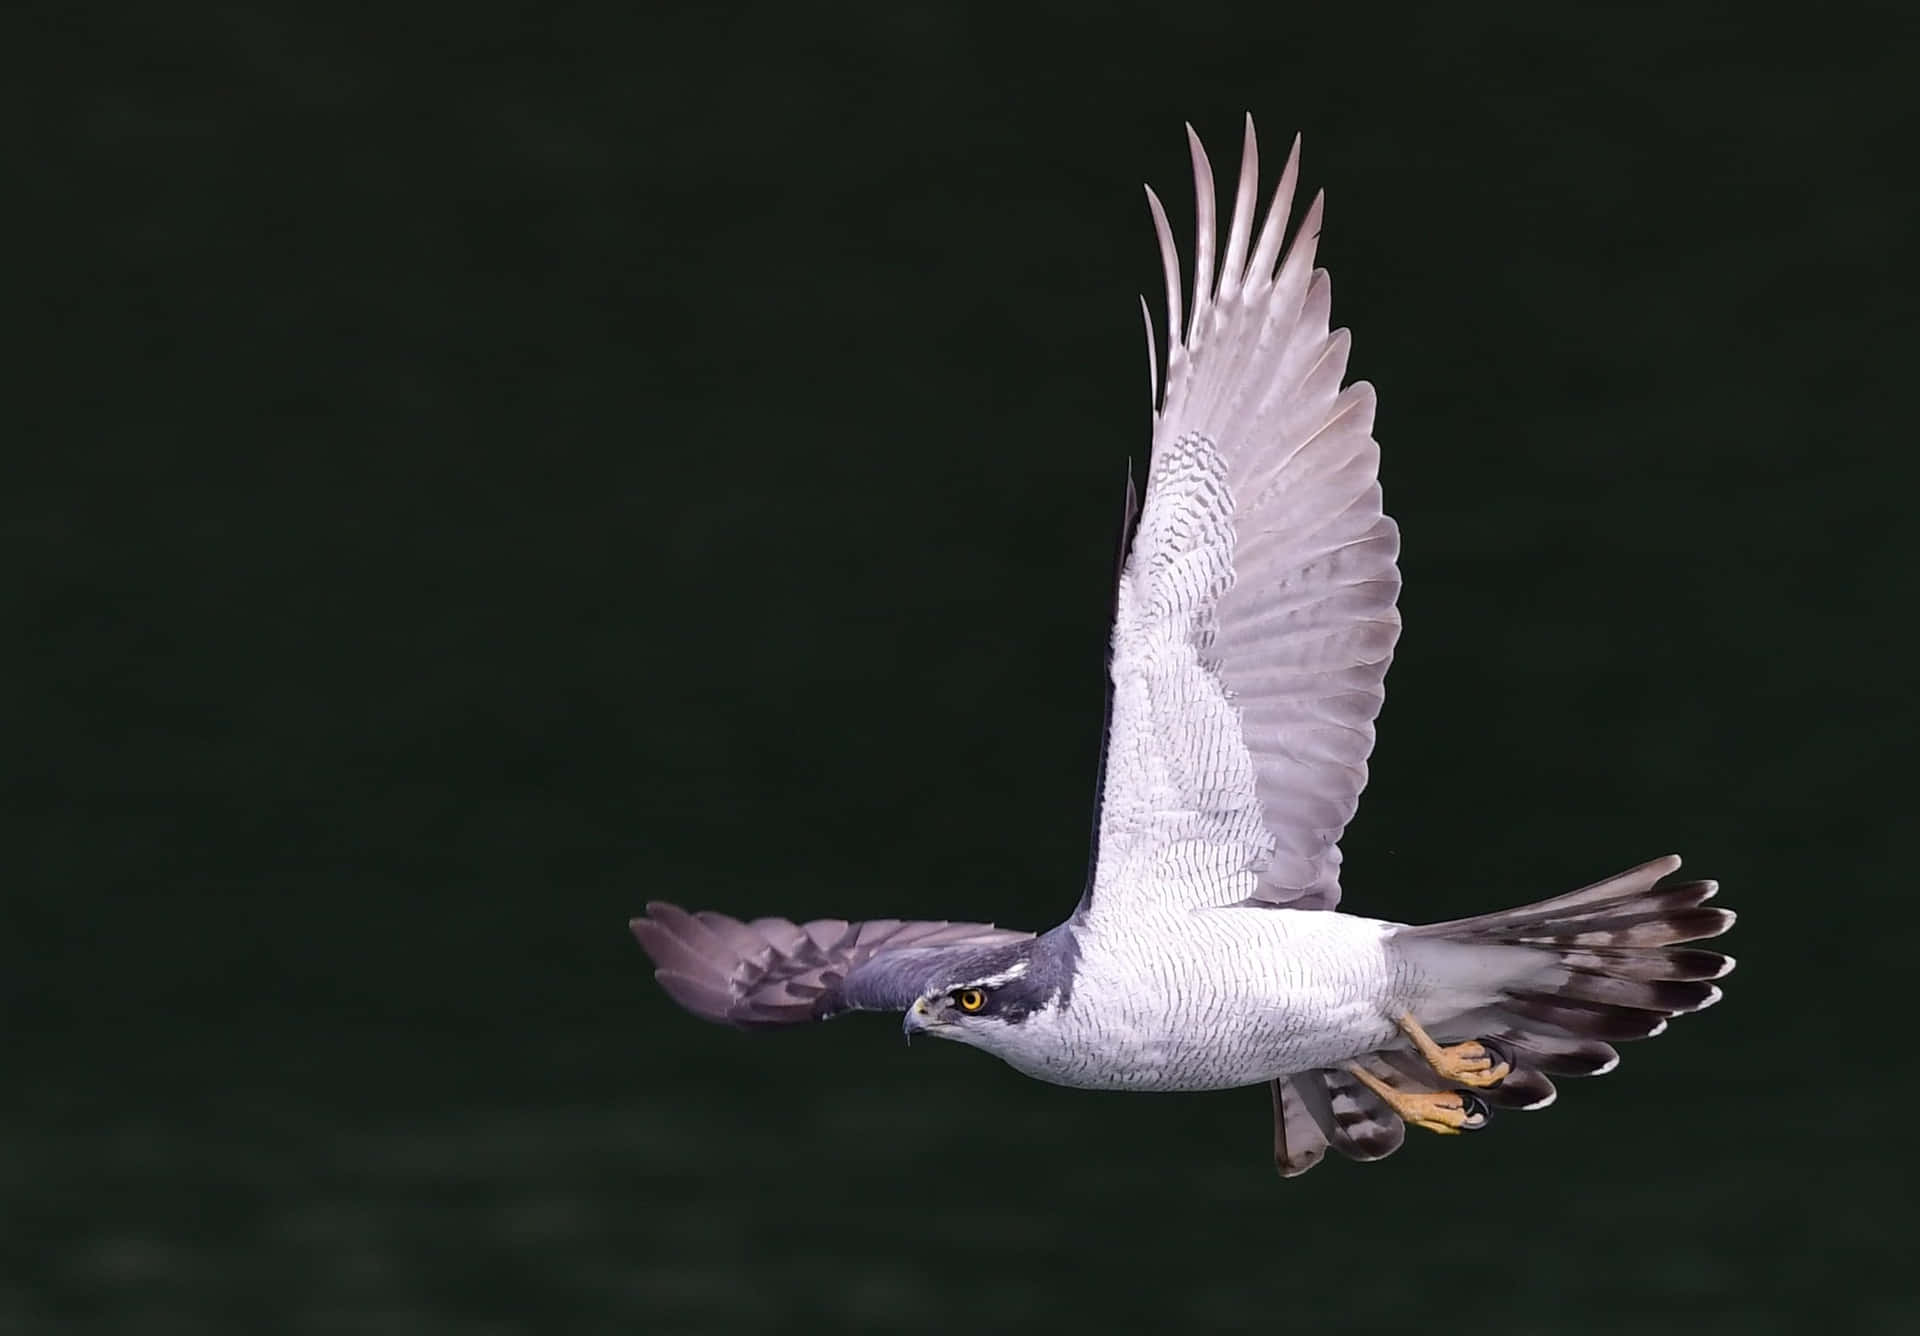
pixel 479 470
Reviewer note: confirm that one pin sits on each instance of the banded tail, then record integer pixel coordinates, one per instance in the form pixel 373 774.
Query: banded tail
pixel 1551 987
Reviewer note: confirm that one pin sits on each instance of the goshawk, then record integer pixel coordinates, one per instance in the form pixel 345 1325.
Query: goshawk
pixel 1253 624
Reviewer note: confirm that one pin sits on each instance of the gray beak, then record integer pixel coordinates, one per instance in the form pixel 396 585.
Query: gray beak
pixel 919 1018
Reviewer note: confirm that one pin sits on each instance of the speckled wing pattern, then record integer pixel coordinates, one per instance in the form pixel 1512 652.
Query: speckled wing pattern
pixel 772 971
pixel 1255 615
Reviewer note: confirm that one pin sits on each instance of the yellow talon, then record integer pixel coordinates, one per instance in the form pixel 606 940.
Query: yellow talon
pixel 1467 1064
pixel 1445 1111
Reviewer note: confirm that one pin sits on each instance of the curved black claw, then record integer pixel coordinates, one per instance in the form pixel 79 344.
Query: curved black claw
pixel 1498 1053
pixel 1476 1109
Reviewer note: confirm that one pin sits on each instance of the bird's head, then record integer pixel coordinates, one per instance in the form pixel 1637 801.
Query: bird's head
pixel 989 1011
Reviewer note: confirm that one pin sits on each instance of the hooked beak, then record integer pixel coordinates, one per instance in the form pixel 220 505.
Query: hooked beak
pixel 919 1018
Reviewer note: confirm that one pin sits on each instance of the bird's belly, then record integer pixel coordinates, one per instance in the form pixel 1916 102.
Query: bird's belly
pixel 1230 998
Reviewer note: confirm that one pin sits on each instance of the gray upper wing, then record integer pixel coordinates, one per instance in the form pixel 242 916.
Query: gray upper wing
pixel 772 971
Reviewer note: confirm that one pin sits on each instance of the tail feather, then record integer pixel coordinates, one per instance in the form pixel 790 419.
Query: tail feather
pixel 1658 928
pixel 1298 1143
pixel 1624 886
pixel 1523 1088
pixel 1593 1020
pixel 1551 986
pixel 1522 924
pixel 1690 964
pixel 1598 966
pixel 1557 1055
pixel 1364 1128
pixel 1351 1118
pixel 1673 996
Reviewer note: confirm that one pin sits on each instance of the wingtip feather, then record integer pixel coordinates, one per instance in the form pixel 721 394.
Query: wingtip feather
pixel 701 998
pixel 1273 228
pixel 1170 269
pixel 1203 242
pixel 1153 356
pixel 1240 226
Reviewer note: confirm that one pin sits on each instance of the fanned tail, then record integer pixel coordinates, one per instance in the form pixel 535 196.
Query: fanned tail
pixel 1551 987
pixel 1596 966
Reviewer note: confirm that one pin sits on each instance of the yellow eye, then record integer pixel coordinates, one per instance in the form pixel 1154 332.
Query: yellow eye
pixel 970 1000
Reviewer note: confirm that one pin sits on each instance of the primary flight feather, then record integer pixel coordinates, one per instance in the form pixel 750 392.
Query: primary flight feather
pixel 1254 621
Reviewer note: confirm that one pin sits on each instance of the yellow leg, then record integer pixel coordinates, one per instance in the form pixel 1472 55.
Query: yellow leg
pixel 1446 1111
pixel 1467 1064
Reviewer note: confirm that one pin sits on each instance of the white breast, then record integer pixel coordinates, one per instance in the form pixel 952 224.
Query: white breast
pixel 1207 999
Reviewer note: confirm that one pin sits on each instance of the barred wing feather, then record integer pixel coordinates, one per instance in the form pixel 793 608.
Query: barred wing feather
pixel 1255 615
pixel 773 971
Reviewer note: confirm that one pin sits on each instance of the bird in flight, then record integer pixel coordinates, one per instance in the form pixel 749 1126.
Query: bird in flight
pixel 1253 623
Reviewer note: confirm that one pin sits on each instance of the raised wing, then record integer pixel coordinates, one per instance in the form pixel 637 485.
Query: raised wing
pixel 1255 616
pixel 776 972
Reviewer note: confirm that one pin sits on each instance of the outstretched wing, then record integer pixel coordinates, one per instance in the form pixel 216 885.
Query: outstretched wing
pixel 1255 617
pixel 776 972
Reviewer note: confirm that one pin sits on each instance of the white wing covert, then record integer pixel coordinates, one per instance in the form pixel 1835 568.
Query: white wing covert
pixel 1255 615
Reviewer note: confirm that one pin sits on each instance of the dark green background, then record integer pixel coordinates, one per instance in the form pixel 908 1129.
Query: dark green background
pixel 479 470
